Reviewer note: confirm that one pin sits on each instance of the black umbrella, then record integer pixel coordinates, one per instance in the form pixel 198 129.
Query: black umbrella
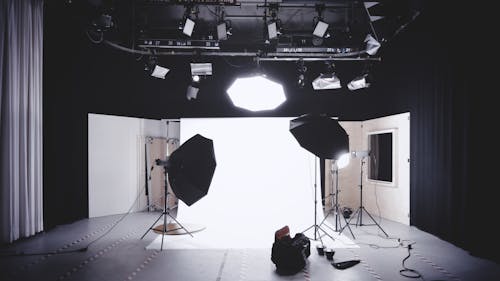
pixel 321 135
pixel 191 168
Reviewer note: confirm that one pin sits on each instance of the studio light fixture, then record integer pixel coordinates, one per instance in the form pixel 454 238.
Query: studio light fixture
pixel 188 23
pixel 328 80
pixel 160 72
pixel 223 26
pixel 272 30
pixel 343 161
pixel 362 81
pixel 201 69
pixel 198 71
pixel 103 22
pixel 274 25
pixel 256 93
pixel 188 27
pixel 154 69
pixel 222 31
pixel 372 45
pixel 321 27
pixel 359 82
pixel 192 91
pixel 301 77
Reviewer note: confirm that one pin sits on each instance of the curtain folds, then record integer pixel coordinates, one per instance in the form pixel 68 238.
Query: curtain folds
pixel 21 55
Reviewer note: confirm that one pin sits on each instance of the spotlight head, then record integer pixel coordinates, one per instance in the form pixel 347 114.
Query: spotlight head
pixel 320 29
pixel 360 153
pixel 301 81
pixel 188 27
pixel 343 161
pixel 301 69
pixel 222 31
pixel 160 72
pixel 317 41
pixel 103 22
pixel 192 92
pixel 272 30
pixel 155 70
pixel 326 82
pixel 202 69
pixel 196 78
pixel 372 45
pixel 359 82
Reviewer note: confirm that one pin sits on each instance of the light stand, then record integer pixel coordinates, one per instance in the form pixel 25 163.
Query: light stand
pixel 335 206
pixel 166 209
pixel 316 227
pixel 359 212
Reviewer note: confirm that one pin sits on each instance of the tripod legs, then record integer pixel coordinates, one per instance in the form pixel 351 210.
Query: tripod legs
pixel 165 214
pixel 317 234
pixel 338 221
pixel 335 207
pixel 165 230
pixel 317 228
pixel 359 219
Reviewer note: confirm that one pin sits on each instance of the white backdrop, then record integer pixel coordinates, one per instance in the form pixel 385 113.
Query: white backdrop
pixel 263 180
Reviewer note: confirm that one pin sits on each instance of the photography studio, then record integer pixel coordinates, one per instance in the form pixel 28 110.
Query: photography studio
pixel 247 140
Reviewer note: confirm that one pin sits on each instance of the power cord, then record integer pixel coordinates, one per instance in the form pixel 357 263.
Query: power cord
pixel 409 272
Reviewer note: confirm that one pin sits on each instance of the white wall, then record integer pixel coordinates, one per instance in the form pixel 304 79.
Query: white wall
pixel 116 162
pixel 263 180
pixel 348 176
pixel 393 201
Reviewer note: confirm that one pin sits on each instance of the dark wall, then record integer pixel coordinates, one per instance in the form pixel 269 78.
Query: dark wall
pixel 423 71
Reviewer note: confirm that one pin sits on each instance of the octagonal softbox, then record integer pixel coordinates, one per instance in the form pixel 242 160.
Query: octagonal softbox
pixel 191 168
pixel 321 135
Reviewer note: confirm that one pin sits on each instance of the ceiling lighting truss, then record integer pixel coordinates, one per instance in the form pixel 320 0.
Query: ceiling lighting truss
pixel 206 29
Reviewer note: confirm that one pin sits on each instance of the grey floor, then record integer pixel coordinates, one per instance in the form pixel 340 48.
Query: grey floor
pixel 121 255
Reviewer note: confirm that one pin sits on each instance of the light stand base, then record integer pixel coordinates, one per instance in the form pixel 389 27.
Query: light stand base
pixel 338 222
pixel 317 228
pixel 359 220
pixel 317 235
pixel 164 229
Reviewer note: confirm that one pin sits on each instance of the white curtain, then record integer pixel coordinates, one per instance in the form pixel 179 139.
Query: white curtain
pixel 21 53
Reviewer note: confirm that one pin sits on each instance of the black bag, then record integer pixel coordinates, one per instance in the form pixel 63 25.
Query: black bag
pixel 290 254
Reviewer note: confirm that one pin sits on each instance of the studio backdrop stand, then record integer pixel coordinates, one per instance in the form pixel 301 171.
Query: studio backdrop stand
pixel 334 210
pixel 359 212
pixel 166 228
pixel 317 228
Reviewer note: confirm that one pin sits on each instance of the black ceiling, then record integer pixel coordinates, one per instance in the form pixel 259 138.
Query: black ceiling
pixel 102 79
